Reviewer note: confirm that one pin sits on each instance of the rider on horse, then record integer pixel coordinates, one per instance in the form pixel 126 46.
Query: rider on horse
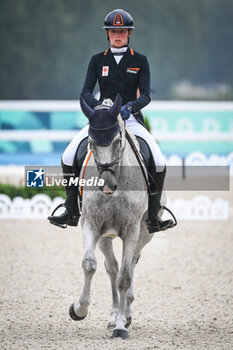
pixel 121 70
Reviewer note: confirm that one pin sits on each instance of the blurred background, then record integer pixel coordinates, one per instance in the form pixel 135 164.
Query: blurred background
pixel 46 46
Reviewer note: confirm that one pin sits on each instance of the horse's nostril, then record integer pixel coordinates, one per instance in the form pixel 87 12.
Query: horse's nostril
pixel 115 188
pixel 107 190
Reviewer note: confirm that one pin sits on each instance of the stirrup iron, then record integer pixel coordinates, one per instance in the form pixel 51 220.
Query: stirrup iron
pixel 54 211
pixel 162 207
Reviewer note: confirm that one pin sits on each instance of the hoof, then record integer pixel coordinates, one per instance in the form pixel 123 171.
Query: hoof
pixel 73 314
pixel 110 325
pixel 128 323
pixel 120 333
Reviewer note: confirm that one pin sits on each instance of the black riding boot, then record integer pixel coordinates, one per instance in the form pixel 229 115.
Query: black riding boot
pixel 71 214
pixel 155 223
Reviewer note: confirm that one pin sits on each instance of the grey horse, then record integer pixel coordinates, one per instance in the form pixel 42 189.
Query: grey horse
pixel 116 208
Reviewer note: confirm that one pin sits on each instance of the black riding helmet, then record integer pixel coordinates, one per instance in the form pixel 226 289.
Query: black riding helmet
pixel 118 19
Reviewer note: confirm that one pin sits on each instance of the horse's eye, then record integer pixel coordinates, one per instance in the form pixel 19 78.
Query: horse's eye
pixel 116 142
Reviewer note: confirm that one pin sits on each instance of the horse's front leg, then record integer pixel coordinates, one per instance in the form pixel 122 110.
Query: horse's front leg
pixel 130 294
pixel 144 238
pixel 111 266
pixel 124 278
pixel 78 311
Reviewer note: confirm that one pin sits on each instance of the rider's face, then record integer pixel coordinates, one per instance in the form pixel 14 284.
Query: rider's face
pixel 118 37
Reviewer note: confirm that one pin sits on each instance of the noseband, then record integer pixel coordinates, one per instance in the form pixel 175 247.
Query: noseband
pixel 106 166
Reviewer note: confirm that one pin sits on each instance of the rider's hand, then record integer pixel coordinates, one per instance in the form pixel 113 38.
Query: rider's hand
pixel 126 110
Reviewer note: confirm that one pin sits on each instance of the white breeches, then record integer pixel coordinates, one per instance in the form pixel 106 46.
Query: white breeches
pixel 135 127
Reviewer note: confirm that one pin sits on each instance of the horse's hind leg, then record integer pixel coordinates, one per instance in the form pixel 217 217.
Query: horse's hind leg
pixel 111 266
pixel 78 311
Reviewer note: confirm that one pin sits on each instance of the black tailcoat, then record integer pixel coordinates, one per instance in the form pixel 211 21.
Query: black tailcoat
pixel 124 78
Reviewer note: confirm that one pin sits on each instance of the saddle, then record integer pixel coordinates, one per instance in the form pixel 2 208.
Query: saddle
pixel 144 157
pixel 80 155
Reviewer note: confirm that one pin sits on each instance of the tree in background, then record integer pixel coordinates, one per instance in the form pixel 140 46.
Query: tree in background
pixel 46 44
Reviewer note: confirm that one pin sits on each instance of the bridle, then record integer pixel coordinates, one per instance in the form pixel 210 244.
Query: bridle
pixel 102 167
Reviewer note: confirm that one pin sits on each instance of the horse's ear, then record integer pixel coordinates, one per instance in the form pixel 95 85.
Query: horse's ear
pixel 88 111
pixel 116 107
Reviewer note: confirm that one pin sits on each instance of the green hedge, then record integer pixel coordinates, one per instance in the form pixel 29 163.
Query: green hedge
pixel 21 191
pixel 147 123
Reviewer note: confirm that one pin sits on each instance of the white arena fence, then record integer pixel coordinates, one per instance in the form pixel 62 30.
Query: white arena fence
pixel 200 159
pixel 199 208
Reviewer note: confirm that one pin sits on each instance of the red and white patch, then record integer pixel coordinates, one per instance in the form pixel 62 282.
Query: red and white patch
pixel 105 70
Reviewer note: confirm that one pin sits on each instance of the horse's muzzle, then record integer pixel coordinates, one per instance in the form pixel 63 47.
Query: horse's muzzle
pixel 109 181
pixel 107 190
